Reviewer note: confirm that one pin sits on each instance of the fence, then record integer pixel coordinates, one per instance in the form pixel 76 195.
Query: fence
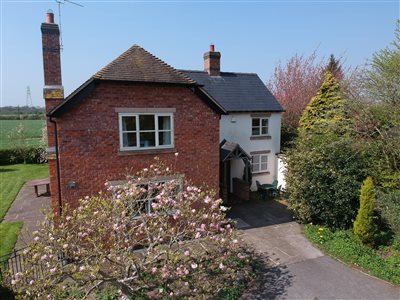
pixel 15 262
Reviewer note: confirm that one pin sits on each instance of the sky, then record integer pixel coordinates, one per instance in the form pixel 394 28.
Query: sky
pixel 252 36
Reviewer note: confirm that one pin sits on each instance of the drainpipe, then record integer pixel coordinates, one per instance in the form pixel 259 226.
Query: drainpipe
pixel 57 166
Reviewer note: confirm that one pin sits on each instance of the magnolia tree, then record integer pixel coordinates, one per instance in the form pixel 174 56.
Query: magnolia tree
pixel 155 235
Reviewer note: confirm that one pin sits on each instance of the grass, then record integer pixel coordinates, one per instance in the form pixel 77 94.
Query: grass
pixel 382 262
pixel 33 130
pixel 13 177
pixel 9 233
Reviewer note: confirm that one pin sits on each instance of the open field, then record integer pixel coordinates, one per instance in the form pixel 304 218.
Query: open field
pixel 33 129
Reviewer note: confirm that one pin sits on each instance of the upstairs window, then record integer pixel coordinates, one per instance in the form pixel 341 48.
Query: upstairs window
pixel 259 126
pixel 146 131
pixel 259 163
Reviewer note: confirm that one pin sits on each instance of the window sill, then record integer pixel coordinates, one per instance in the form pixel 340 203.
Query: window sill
pixel 261 173
pixel 260 137
pixel 146 151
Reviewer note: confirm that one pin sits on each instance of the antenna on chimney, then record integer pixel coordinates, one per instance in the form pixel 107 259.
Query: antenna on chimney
pixel 59 2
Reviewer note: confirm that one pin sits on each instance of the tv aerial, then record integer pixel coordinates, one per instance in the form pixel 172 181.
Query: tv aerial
pixel 59 3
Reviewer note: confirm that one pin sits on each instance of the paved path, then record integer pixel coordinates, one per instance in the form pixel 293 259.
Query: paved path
pixel 28 209
pixel 295 269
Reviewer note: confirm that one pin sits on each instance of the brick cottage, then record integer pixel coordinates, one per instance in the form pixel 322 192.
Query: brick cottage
pixel 139 107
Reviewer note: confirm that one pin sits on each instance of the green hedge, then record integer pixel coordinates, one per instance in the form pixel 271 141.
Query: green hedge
pixel 32 155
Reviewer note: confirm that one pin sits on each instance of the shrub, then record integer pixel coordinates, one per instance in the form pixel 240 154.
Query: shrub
pixel 364 225
pixel 389 208
pixel 181 248
pixel 33 155
pixel 323 181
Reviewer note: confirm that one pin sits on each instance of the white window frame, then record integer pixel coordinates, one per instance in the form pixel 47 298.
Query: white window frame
pixel 260 126
pixel 260 170
pixel 149 201
pixel 138 131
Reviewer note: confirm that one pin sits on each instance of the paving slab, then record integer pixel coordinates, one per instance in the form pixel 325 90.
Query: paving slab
pixel 29 209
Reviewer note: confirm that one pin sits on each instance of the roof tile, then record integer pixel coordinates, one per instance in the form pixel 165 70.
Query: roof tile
pixel 237 92
pixel 136 64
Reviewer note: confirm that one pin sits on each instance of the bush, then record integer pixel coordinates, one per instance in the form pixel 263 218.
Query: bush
pixel 364 225
pixel 32 155
pixel 389 208
pixel 323 181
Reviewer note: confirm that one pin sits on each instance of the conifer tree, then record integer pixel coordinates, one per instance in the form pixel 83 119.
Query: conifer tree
pixel 335 67
pixel 326 111
pixel 364 225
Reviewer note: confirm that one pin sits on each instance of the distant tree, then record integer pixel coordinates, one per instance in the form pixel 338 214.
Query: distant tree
pixel 364 225
pixel 335 67
pixel 293 84
pixel 326 108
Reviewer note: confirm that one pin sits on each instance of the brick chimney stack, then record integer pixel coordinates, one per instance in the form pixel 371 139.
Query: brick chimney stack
pixel 53 90
pixel 212 62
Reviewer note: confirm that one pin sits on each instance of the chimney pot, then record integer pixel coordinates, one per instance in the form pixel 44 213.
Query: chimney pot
pixel 212 48
pixel 50 17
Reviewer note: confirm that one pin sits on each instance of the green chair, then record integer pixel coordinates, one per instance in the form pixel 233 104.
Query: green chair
pixel 272 188
pixel 261 191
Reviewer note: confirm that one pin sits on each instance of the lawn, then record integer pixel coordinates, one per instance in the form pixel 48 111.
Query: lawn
pixel 33 130
pixel 382 262
pixel 12 178
pixel 9 233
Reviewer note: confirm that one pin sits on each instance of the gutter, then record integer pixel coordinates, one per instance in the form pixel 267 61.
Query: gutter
pixel 57 165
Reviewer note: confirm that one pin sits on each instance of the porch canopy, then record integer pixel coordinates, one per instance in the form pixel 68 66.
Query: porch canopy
pixel 231 150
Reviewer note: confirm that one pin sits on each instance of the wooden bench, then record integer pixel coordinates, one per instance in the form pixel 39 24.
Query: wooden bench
pixel 38 182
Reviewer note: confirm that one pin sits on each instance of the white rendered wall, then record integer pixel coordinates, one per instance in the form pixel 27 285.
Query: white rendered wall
pixel 281 173
pixel 237 128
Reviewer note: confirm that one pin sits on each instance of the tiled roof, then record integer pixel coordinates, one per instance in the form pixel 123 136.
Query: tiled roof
pixel 136 64
pixel 237 92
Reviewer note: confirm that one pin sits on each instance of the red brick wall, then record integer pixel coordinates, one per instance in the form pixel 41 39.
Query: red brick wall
pixel 89 138
pixel 51 54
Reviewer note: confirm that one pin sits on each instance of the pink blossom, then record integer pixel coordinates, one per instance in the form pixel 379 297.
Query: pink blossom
pixel 65 246
pixel 194 265
pixel 187 253
pixel 221 266
pixel 198 235
pixel 36 238
pixel 153 270
pixel 165 274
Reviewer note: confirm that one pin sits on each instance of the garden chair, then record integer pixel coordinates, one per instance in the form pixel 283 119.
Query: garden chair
pixel 261 191
pixel 272 188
